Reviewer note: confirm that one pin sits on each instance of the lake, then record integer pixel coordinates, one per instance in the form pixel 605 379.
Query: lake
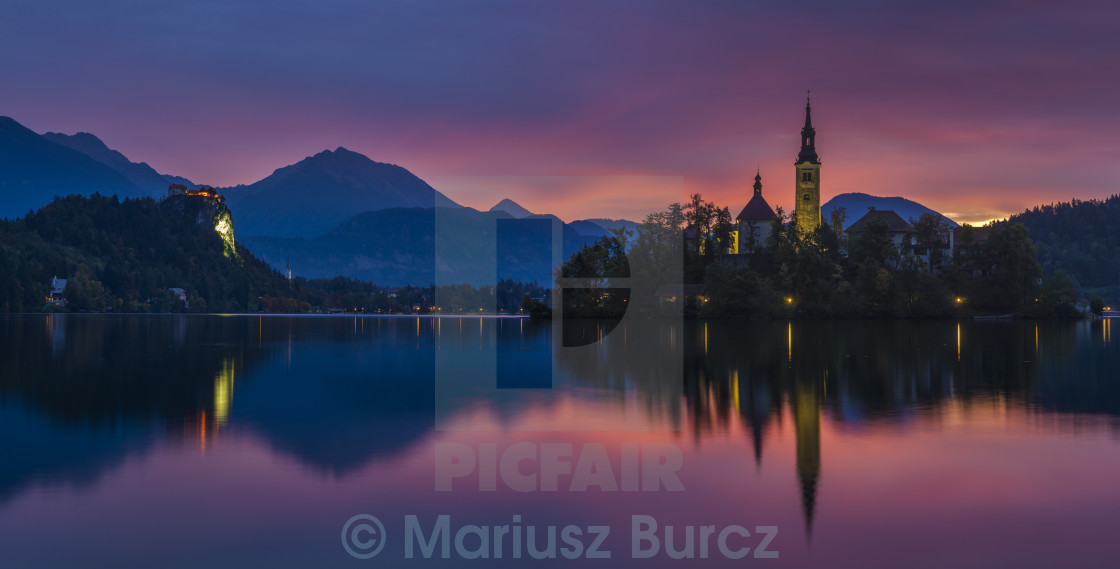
pixel 342 441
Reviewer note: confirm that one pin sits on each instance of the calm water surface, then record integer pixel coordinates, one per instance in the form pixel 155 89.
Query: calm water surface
pixel 208 441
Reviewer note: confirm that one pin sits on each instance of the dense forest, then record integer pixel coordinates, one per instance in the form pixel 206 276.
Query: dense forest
pixel 827 273
pixel 126 256
pixel 1081 238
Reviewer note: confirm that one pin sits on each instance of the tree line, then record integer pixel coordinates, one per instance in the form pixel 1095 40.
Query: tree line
pixel 824 273
pixel 125 256
pixel 1081 238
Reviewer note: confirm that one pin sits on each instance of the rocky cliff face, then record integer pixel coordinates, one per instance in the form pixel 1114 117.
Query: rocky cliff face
pixel 208 213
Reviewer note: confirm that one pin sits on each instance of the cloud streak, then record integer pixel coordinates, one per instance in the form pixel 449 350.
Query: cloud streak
pixel 979 109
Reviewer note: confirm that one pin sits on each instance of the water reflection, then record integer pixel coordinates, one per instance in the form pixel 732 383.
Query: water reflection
pixel 80 394
pixel 871 373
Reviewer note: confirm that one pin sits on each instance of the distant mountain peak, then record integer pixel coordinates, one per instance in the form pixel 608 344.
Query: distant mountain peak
pixel 511 207
pixel 857 204
pixel 342 161
pixel 312 196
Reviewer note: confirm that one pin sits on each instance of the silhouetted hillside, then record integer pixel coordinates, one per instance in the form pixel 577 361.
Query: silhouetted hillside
pixel 126 255
pixel 1082 237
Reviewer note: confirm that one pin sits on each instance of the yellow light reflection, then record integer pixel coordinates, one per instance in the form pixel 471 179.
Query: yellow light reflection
pixel 735 388
pixel 202 431
pixel 958 341
pixel 705 337
pixel 223 392
pixel 789 340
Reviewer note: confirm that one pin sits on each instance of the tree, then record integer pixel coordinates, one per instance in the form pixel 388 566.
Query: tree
pixel 737 292
pixel 84 293
pixel 597 265
pixel 873 245
pixel 1014 276
pixel 1096 305
pixel 709 228
pixel 931 232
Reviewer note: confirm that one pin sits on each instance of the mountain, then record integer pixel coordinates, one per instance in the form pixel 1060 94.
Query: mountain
pixel 511 207
pixel 313 196
pixel 591 229
pixel 140 174
pixel 610 224
pixel 421 246
pixel 33 170
pixel 857 204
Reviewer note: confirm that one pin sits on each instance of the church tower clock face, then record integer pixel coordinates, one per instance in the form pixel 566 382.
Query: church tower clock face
pixel 808 186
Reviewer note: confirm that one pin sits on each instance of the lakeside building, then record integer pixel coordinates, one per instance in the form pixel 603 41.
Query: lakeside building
pixel 56 296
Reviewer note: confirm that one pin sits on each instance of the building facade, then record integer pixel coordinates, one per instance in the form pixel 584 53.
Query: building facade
pixel 807 188
pixel 753 223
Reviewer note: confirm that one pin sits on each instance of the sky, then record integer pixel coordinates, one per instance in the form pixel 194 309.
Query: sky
pixel 593 108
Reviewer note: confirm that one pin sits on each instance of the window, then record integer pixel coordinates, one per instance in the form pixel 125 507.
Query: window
pixel 806 198
pixel 807 176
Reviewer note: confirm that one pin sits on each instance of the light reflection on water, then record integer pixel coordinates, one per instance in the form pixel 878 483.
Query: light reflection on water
pixel 246 440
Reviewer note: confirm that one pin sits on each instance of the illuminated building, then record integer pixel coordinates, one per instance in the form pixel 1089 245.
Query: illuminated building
pixel 58 288
pixel 204 192
pixel 807 197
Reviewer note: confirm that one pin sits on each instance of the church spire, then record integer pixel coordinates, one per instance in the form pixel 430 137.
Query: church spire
pixel 808 113
pixel 758 182
pixel 808 137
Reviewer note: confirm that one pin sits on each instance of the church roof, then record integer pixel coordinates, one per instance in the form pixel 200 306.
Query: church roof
pixel 756 210
pixel 895 223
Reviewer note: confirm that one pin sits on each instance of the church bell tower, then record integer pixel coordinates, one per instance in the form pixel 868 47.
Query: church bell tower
pixel 808 185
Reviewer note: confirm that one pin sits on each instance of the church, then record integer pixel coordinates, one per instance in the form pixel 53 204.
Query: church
pixel 752 225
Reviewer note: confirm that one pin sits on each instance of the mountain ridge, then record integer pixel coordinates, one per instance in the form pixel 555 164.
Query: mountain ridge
pixel 311 197
pixel 142 175
pixel 421 246
pixel 34 170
